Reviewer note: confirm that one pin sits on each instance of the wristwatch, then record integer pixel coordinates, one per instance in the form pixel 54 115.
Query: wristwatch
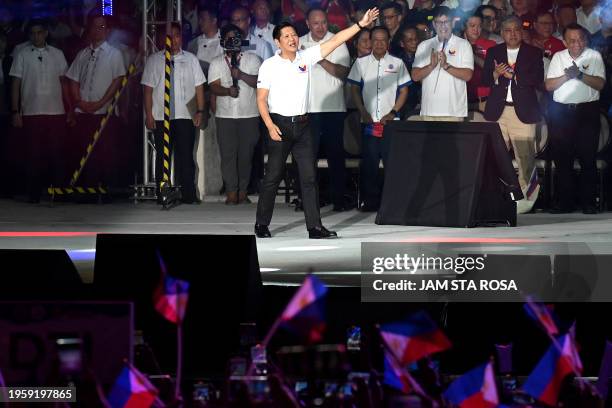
pixel 393 112
pixel 580 76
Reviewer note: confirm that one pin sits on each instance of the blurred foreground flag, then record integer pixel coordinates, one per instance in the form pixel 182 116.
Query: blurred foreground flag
pixel 474 389
pixel 414 338
pixel 132 390
pixel 398 377
pixel 561 359
pixel 171 295
pixel 540 313
pixel 305 314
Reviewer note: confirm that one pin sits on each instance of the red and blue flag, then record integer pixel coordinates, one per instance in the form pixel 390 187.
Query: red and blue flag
pixel 132 390
pixel 414 338
pixel 540 313
pixel 171 296
pixel 398 377
pixel 561 360
pixel 474 389
pixel 305 312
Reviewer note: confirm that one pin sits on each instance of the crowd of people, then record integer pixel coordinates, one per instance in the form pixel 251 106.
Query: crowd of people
pixel 521 63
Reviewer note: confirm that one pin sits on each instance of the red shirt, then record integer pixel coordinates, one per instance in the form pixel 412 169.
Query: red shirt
pixel 473 86
pixel 550 47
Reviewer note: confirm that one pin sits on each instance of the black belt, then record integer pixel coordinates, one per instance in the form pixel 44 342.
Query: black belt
pixel 292 119
pixel 479 99
pixel 573 106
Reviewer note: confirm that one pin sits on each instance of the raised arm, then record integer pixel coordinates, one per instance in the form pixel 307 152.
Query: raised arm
pixel 343 36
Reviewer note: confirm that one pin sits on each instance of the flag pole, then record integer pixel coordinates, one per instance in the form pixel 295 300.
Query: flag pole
pixel 179 359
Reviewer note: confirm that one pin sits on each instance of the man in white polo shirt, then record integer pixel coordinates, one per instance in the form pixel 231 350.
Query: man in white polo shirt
pixel 327 106
pixel 241 18
pixel 576 76
pixel 233 79
pixel 379 85
pixel 263 27
pixel 207 45
pixel 282 98
pixel 444 64
pixel 37 107
pixel 96 74
pixel 186 110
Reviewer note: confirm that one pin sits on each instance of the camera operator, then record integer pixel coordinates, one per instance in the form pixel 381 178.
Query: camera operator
pixel 233 79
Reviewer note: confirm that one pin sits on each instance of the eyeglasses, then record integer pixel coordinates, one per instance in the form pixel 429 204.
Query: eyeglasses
pixel 442 22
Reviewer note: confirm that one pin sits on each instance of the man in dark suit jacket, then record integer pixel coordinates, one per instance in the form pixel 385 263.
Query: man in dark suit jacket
pixel 514 70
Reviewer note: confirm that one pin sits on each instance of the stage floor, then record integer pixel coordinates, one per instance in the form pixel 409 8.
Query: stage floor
pixel 286 257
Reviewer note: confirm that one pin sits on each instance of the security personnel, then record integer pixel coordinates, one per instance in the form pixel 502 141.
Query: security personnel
pixel 38 71
pixel 575 76
pixel 95 75
pixel 282 98
pixel 186 86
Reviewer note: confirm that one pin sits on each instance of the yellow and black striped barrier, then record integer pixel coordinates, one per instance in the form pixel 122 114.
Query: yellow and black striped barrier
pixel 103 123
pixel 65 191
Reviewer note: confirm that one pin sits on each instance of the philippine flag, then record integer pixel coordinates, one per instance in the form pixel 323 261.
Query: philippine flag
pixel 544 383
pixel 398 377
pixel 540 313
pixel 171 296
pixel 475 389
pixel 132 390
pixel 305 314
pixel 415 338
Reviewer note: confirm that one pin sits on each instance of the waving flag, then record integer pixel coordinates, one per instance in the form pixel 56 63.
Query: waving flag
pixel 398 377
pixel 415 338
pixel 475 389
pixel 132 390
pixel 304 314
pixel 540 313
pixel 170 297
pixel 561 359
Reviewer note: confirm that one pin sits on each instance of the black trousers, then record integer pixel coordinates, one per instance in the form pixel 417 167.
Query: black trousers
pixel 297 141
pixel 43 135
pixel 575 134
pixel 327 129
pixel 182 143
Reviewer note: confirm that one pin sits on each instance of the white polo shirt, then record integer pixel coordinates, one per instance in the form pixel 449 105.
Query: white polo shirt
pixel 590 22
pixel 574 90
pixel 206 49
pixel 380 82
pixel 326 91
pixel 187 75
pixel 259 47
pixel 245 106
pixel 450 97
pixel 95 69
pixel 288 81
pixel 40 70
pixel 266 34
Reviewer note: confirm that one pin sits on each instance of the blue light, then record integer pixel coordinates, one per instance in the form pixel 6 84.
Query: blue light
pixel 107 7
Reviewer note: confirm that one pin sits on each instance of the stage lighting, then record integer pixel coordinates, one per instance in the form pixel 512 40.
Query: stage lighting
pixel 107 7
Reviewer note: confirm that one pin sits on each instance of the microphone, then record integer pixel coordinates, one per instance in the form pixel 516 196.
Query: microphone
pixel 440 68
pixel 40 58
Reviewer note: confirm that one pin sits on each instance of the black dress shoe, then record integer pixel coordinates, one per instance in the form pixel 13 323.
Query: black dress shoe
pixel 589 209
pixel 262 231
pixel 368 208
pixel 321 233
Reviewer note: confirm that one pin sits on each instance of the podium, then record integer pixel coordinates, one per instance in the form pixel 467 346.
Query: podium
pixel 448 174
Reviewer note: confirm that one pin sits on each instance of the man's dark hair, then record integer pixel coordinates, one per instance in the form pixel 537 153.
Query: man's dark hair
pixel 391 5
pixel 176 25
pixel 239 7
pixel 408 27
pixel 276 33
pixel 380 28
pixel 484 7
pixel 576 27
pixel 313 9
pixel 543 13
pixel 442 11
pixel 228 28
pixel 212 11
pixel 37 22
pixel 565 6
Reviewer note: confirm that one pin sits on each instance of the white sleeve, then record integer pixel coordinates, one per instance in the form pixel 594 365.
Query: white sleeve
pixel 198 75
pixel 404 77
pixel 264 78
pixel 467 56
pixel 555 69
pixel 117 64
pixel 311 55
pixel 75 69
pixel 150 75
pixel 214 71
pixel 354 77
pixel 599 69
pixel 422 57
pixel 340 56
pixel 17 67
pixel 254 62
pixel 63 64
pixel 267 49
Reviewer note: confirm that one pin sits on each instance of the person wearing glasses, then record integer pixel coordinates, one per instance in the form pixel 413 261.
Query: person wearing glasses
pixel 489 23
pixel 444 65
pixel 392 17
pixel 241 18
pixel 37 92
pixel 95 75
pixel 543 37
